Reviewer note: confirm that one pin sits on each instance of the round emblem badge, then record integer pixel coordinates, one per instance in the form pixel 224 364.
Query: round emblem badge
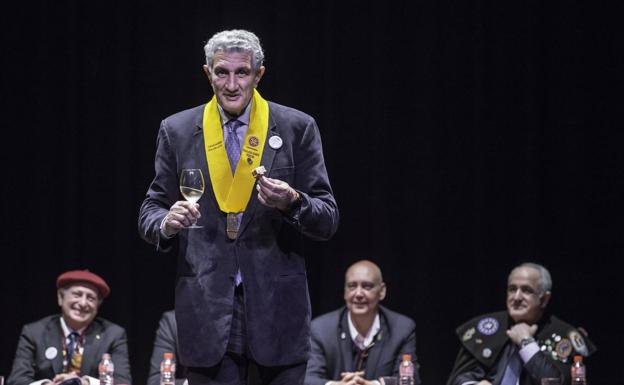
pixel 253 141
pixel 487 352
pixel 564 348
pixel 51 353
pixel 488 326
pixel 275 142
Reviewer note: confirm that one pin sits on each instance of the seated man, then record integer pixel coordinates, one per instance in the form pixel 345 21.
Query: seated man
pixel 71 344
pixel 522 345
pixel 363 342
pixel 166 341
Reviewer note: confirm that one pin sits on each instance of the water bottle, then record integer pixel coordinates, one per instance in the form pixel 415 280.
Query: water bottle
pixel 167 370
pixel 106 370
pixel 406 371
pixel 578 371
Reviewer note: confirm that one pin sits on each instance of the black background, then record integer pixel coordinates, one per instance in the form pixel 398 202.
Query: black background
pixel 461 138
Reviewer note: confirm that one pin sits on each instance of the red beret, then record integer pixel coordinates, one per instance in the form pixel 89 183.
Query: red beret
pixel 75 276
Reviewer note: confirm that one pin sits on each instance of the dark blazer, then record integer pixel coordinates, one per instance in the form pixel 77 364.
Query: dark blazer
pixel 332 347
pixel 101 337
pixel 483 353
pixel 268 250
pixel 166 341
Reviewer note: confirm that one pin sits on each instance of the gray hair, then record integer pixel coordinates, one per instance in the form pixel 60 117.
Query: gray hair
pixel 237 40
pixel 545 281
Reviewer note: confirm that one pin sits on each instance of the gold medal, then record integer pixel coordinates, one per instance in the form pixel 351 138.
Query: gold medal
pixel 232 226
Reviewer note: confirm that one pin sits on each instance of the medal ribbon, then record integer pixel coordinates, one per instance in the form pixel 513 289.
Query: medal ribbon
pixel 233 192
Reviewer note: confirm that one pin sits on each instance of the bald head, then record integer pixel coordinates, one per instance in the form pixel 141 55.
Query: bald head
pixel 369 267
pixel 364 289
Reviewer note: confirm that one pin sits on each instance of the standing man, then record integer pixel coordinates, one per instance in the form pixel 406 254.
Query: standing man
pixel 241 292
pixel 70 345
pixel 522 345
pixel 362 343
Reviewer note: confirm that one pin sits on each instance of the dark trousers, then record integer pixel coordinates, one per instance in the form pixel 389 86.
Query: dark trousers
pixel 237 366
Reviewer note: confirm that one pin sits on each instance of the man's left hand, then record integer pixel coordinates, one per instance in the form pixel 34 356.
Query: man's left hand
pixel 275 193
pixel 66 376
pixel 520 331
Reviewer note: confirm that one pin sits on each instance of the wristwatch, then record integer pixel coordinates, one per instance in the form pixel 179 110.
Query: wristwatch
pixel 526 340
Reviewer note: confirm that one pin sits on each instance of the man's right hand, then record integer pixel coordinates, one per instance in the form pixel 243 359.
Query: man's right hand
pixel 350 378
pixel 484 382
pixel 181 215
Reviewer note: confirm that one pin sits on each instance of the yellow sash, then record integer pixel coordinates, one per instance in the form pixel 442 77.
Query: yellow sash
pixel 233 192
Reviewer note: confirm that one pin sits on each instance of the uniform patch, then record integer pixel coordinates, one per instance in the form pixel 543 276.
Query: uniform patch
pixel 578 343
pixel 488 326
pixel 564 348
pixel 468 334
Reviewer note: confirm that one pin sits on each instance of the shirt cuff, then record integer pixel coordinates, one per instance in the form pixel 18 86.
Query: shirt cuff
pixel 470 382
pixel 162 229
pixel 40 382
pixel 92 381
pixel 527 352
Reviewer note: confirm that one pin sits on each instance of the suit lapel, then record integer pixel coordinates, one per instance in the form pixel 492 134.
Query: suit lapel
pixel 376 351
pixel 268 154
pixel 92 343
pixel 54 339
pixel 345 345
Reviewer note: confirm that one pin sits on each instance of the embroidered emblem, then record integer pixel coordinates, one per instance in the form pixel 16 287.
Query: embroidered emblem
pixel 564 348
pixel 578 342
pixel 468 334
pixel 488 326
pixel 253 141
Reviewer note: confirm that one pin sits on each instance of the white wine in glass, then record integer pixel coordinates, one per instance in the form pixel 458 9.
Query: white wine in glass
pixel 192 187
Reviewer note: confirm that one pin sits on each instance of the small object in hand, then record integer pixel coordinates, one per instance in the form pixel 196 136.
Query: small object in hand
pixel 258 172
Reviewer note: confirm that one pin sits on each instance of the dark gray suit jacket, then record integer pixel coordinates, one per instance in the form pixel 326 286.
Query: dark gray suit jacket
pixel 332 347
pixel 268 250
pixel 101 337
pixel 166 341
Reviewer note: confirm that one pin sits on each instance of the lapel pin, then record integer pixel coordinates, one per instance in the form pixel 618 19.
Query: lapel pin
pixel 343 335
pixel 275 142
pixel 51 353
pixel 487 353
pixel 97 336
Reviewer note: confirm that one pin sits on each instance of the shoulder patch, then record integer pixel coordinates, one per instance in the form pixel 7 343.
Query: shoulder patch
pixel 488 326
pixel 468 334
pixel 578 342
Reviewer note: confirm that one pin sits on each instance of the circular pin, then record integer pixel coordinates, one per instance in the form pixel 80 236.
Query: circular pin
pixel 488 326
pixel 564 348
pixel 557 338
pixel 97 336
pixel 343 335
pixel 487 352
pixel 51 353
pixel 249 161
pixel 275 142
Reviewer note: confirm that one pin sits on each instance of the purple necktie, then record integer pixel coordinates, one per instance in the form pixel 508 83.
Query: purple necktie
pixel 232 145
pixel 233 148
pixel 512 371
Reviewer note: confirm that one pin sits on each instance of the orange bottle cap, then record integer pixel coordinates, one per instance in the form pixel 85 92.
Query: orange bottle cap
pixel 578 358
pixel 407 357
pixel 168 356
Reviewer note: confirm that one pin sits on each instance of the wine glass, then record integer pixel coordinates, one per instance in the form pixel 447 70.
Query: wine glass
pixel 192 187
